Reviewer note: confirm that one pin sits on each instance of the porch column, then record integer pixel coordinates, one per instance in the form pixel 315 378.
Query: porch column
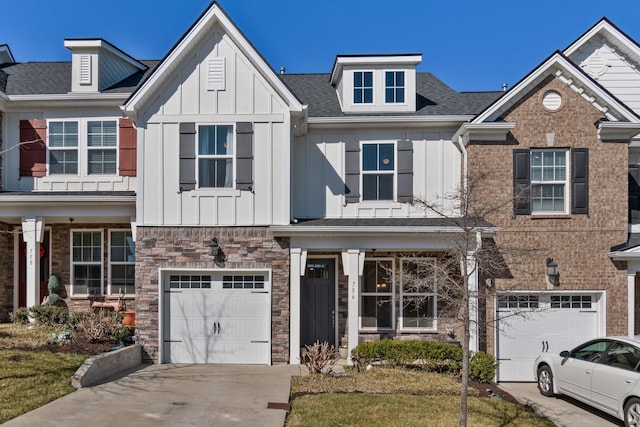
pixel 353 264
pixel 473 303
pixel 298 262
pixel 631 301
pixel 33 234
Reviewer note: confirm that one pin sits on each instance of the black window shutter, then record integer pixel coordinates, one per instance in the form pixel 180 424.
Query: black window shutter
pixel 521 182
pixel 187 156
pixel 244 156
pixel 405 171
pixel 352 171
pixel 580 181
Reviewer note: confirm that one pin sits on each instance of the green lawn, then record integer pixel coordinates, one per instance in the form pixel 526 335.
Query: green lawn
pixel 30 379
pixel 395 397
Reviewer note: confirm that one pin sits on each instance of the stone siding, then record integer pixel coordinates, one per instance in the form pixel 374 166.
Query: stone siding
pixel 578 243
pixel 188 247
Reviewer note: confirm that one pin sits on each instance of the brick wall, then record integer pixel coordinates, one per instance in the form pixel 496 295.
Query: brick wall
pixel 188 247
pixel 578 243
pixel 6 271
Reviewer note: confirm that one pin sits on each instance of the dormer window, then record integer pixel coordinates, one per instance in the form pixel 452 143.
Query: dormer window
pixel 394 87
pixel 363 87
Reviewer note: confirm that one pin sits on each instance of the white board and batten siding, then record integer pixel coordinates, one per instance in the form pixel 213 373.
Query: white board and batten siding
pixel 436 172
pixel 220 316
pixel 195 94
pixel 612 69
pixel 559 322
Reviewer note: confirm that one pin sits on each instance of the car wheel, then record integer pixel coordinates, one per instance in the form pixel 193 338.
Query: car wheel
pixel 632 412
pixel 545 381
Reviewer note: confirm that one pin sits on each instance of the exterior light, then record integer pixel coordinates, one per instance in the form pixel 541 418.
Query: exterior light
pixel 552 271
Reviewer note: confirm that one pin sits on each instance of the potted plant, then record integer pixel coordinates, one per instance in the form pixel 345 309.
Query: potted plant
pixel 344 351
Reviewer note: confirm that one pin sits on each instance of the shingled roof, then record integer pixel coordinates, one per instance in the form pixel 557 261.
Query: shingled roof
pixel 433 96
pixel 48 78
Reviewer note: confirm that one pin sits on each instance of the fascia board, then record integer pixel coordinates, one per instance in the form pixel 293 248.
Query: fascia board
pixel 368 60
pixel 490 131
pixel 608 31
pixel 213 15
pixel 297 230
pixel 66 100
pixel 616 131
pixel 103 44
pixel 373 121
pixel 546 69
pixel 628 255
pixel 65 199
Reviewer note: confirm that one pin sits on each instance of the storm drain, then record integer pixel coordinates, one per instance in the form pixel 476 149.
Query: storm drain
pixel 277 405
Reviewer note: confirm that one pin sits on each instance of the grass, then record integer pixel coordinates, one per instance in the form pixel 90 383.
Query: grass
pixel 30 379
pixel 395 397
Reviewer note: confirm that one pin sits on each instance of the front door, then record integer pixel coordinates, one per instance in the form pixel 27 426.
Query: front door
pixel 44 269
pixel 318 302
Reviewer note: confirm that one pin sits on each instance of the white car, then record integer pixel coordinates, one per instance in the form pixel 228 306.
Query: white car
pixel 603 373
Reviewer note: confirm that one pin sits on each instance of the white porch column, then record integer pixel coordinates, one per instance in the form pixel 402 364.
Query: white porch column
pixel 353 264
pixel 631 301
pixel 33 234
pixel 298 262
pixel 472 274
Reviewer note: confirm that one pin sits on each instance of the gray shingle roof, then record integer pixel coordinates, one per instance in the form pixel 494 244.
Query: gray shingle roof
pixel 48 78
pixel 433 96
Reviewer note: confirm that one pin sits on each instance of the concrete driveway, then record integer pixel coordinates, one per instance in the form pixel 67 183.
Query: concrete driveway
pixel 563 411
pixel 172 395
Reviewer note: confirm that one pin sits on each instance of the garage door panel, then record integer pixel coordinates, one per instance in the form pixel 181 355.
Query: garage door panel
pixel 524 334
pixel 217 324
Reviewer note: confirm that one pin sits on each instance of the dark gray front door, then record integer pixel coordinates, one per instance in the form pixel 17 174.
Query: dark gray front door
pixel 318 302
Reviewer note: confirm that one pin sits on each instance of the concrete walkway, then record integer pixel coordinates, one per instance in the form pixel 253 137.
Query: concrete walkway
pixel 563 411
pixel 172 395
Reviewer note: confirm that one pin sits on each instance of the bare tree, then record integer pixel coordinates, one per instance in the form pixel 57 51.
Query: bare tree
pixel 455 276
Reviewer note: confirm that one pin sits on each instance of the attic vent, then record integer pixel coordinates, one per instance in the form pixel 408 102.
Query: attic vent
pixel 85 70
pixel 215 74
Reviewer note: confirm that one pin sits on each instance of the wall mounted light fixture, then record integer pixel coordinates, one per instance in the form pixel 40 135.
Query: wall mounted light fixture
pixel 552 271
pixel 216 252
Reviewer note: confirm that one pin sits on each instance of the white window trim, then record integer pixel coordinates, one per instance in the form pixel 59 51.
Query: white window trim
pixel 566 182
pixel 385 87
pixel 363 87
pixel 83 148
pixel 434 294
pixel 112 263
pixel 60 149
pixel 392 294
pixel 394 172
pixel 116 147
pixel 210 156
pixel 72 263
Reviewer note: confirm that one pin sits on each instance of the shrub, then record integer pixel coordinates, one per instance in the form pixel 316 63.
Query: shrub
pixel 20 315
pixel 318 356
pixel 482 367
pixel 49 315
pixel 102 327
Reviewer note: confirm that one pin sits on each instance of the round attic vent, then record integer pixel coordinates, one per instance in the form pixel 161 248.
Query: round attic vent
pixel 552 100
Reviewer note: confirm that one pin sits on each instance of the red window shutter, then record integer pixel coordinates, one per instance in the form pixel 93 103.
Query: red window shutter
pixel 127 148
pixel 33 149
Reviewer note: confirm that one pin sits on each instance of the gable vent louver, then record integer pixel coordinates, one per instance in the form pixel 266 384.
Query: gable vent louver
pixel 215 74
pixel 85 70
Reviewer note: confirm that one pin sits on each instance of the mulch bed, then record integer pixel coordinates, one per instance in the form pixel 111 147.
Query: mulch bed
pixel 491 390
pixel 79 345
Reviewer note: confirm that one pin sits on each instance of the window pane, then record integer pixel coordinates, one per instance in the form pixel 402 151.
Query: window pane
pixel 215 172
pixel 369 157
pixel 369 187
pixel 399 95
pixel 385 190
pixel 102 162
pixel 357 79
pixel 376 312
pixel 418 312
pixel 400 78
pixel 386 157
pixel 389 78
pixel 368 96
pixel 63 162
pixel 368 79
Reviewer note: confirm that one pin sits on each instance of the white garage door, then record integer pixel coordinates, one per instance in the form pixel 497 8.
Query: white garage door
pixel 217 317
pixel 531 324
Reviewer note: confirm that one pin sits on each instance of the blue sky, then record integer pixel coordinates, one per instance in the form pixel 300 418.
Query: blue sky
pixel 470 45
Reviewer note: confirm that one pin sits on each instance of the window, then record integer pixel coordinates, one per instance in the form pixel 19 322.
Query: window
pixel 623 356
pixel 548 180
pixel 63 148
pixel 102 143
pixel 122 262
pixel 377 295
pixel 518 301
pixel 86 260
pixel 378 167
pixel 571 301
pixel 394 87
pixel 190 282
pixel 418 296
pixel 215 156
pixel 243 282
pixel 363 87
pixel 591 351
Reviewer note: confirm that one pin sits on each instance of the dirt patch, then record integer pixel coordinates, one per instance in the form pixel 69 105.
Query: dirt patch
pixel 78 345
pixel 491 390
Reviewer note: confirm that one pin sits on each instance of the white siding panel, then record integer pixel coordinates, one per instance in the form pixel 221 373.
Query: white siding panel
pixel 280 173
pixel 153 188
pixel 263 178
pixel 245 81
pixel 190 90
pixel 262 98
pixel 299 176
pixel 333 189
pixel 208 213
pixel 173 93
pixel 226 210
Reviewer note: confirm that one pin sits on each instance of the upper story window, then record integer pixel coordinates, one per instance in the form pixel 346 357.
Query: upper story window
pixel 63 148
pixel 378 169
pixel 548 181
pixel 215 156
pixel 377 294
pixel 551 181
pixel 394 87
pixel 363 87
pixel 102 143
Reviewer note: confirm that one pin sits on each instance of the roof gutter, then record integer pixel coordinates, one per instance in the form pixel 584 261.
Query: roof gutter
pixel 68 99
pixel 385 121
pixel 617 131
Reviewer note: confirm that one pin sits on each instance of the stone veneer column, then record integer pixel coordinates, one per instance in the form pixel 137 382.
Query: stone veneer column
pixel 298 263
